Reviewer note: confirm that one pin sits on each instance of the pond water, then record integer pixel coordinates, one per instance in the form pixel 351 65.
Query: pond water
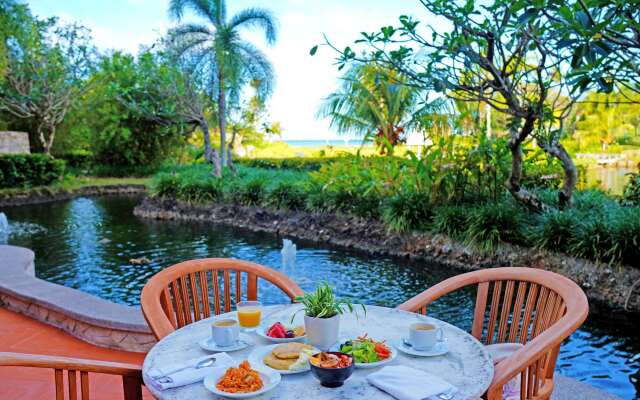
pixel 88 244
pixel 612 179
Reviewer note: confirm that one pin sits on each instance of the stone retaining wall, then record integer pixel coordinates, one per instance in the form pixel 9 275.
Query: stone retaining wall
pixel 94 320
pixel 14 142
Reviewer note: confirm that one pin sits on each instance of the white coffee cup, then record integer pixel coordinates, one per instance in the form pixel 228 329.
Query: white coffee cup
pixel 225 332
pixel 424 335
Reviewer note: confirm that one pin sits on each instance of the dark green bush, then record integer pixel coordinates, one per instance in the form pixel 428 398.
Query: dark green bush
pixel 493 223
pixel 296 164
pixel 451 220
pixel 28 170
pixel 554 230
pixel 286 194
pixel 80 159
pixel 249 192
pixel 632 190
pixel 408 210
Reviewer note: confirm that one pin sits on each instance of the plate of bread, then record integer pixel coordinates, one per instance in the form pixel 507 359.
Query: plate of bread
pixel 285 358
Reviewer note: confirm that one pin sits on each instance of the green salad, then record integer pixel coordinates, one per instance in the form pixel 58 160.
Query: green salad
pixel 366 350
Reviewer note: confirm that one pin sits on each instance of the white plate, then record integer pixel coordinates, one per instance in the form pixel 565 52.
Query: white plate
pixel 243 342
pixel 439 349
pixel 270 379
pixel 259 353
pixel 262 331
pixel 394 354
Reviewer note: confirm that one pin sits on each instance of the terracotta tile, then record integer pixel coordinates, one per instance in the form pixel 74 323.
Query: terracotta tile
pixel 19 333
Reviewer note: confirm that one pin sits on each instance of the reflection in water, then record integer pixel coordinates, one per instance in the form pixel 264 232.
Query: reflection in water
pixel 88 244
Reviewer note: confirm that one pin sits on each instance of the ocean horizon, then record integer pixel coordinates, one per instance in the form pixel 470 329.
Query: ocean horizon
pixel 325 142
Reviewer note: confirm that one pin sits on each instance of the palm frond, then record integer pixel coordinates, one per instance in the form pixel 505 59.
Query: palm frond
pixel 257 17
pixel 208 9
pixel 255 66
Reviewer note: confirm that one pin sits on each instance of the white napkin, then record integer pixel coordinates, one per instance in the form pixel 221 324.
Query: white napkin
pixel 501 351
pixel 405 383
pixel 182 376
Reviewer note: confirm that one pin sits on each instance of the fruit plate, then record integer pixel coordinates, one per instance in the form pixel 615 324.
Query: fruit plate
pixel 392 349
pixel 259 353
pixel 262 331
pixel 270 379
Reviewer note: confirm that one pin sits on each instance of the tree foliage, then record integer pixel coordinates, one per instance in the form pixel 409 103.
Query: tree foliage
pixel 216 52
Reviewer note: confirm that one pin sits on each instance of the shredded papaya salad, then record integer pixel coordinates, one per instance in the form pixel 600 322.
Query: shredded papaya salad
pixel 366 350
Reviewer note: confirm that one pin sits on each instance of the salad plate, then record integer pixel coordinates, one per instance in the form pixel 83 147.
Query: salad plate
pixel 270 379
pixel 366 352
pixel 439 349
pixel 243 342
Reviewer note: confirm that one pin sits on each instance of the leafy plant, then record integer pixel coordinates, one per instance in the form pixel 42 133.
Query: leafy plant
pixel 493 223
pixel 632 190
pixel 323 304
pixel 451 220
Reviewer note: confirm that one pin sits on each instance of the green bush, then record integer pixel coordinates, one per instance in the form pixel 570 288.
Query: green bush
pixel 296 164
pixel 631 193
pixel 554 230
pixel 28 170
pixel 408 210
pixel 451 220
pixel 286 194
pixel 493 223
pixel 79 159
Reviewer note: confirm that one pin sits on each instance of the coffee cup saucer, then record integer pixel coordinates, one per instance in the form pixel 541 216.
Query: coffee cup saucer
pixel 438 349
pixel 243 342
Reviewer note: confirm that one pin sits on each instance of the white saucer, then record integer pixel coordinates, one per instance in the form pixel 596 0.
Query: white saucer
pixel 243 342
pixel 439 349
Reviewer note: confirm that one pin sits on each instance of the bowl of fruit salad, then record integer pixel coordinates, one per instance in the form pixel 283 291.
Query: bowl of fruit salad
pixel 281 333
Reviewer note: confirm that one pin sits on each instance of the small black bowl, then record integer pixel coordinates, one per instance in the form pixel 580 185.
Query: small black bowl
pixel 333 377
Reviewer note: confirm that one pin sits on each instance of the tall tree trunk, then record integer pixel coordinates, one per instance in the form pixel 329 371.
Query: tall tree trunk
pixel 204 127
pixel 522 195
pixel 211 155
pixel 230 164
pixel 49 143
pixel 565 195
pixel 222 117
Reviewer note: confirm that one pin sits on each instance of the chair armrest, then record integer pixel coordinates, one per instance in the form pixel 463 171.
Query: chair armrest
pixel 68 363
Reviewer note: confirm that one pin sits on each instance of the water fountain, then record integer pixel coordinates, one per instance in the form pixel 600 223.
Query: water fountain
pixel 4 229
pixel 288 253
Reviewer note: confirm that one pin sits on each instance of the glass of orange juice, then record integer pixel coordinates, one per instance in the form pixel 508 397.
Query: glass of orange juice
pixel 249 314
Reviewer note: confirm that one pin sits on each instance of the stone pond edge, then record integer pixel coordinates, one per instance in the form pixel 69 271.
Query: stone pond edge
pixel 607 287
pixel 45 195
pixel 86 317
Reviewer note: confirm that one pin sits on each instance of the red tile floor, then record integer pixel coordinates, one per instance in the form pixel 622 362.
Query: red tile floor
pixel 22 334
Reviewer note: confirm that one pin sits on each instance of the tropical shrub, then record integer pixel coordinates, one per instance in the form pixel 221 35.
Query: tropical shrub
pixel 631 193
pixel 408 210
pixel 28 170
pixel 451 220
pixel 493 223
pixel 132 120
pixel 298 163
pixel 554 230
pixel 287 194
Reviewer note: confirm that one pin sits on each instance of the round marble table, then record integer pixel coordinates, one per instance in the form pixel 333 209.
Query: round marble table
pixel 467 365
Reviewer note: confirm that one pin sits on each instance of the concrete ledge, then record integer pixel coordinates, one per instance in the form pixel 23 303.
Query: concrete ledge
pixel 82 315
pixel 571 389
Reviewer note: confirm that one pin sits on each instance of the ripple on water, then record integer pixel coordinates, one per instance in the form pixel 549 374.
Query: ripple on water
pixel 87 243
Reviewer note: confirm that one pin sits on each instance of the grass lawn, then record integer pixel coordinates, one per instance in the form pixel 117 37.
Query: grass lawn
pixel 73 183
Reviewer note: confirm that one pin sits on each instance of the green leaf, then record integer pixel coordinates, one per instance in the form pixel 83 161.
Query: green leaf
pixel 313 50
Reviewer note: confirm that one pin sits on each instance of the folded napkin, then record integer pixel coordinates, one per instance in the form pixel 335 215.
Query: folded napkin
pixel 501 351
pixel 184 372
pixel 405 383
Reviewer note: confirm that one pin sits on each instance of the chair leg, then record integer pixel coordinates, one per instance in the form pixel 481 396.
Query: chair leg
pixel 132 387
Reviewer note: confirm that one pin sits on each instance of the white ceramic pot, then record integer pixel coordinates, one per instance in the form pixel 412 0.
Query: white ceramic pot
pixel 322 332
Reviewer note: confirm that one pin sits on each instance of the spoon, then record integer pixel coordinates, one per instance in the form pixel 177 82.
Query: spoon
pixel 207 362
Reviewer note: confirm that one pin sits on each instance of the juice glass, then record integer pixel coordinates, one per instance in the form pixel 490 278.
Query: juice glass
pixel 249 314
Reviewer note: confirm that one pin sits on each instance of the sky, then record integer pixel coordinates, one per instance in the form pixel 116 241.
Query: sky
pixel 302 81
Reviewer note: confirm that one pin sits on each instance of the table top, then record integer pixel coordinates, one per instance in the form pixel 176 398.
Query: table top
pixel 467 365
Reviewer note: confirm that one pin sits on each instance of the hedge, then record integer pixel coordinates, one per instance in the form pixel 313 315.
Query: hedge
pixel 296 163
pixel 28 170
pixel 81 159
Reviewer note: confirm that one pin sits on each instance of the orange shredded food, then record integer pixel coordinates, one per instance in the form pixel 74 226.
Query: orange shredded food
pixel 240 380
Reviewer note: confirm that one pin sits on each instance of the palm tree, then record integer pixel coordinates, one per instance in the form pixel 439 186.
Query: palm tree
pixel 217 52
pixel 374 103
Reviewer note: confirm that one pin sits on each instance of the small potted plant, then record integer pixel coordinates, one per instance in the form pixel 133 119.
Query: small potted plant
pixel 322 315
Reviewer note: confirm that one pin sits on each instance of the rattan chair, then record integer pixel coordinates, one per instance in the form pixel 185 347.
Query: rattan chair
pixel 79 369
pixel 525 305
pixel 196 289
